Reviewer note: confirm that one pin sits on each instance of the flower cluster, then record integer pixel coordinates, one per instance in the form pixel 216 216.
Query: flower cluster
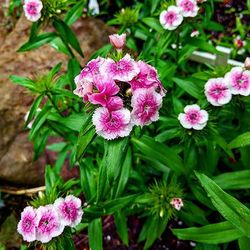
pixel 219 91
pixel 128 92
pixel 32 9
pixel 46 222
pixel 171 18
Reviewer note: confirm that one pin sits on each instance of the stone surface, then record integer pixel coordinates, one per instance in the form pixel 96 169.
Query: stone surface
pixel 15 151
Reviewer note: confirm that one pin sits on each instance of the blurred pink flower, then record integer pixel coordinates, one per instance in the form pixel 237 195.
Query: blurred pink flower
pixel 48 223
pixel 217 91
pixel 247 63
pixel 27 225
pixel 239 43
pixel 171 18
pixel 195 33
pixel 32 9
pixel 83 88
pixel 177 203
pixel 193 117
pixel 118 41
pixel 188 8
pixel 238 81
pixel 145 103
pixel 124 70
pixel 69 209
pixel 112 124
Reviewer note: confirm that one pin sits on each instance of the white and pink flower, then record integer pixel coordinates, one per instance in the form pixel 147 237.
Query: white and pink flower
pixel 112 124
pixel 147 78
pixel 217 91
pixel 238 81
pixel 118 41
pixel 124 70
pixel 48 223
pixel 69 209
pixel 193 117
pixel 177 203
pixel 171 18
pixel 27 225
pixel 239 43
pixel 188 8
pixel 83 88
pixel 32 9
pixel 145 103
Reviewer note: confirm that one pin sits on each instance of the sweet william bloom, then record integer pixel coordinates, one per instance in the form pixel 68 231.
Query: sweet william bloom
pixel 48 223
pixel 188 8
pixel 118 41
pixel 193 117
pixel 32 9
pixel 171 18
pixel 195 33
pixel 27 225
pixel 107 89
pixel 147 78
pixel 177 203
pixel 69 210
pixel 83 88
pixel 145 103
pixel 238 81
pixel 217 91
pixel 239 43
pixel 112 124
pixel 124 70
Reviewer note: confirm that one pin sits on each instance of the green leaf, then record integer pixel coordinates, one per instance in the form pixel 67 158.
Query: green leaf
pixel 95 234
pixel 23 81
pixel 160 152
pixel 202 44
pixel 37 42
pixel 229 207
pixel 234 180
pixel 33 109
pixel 240 141
pixel 74 13
pixel 217 233
pixel 67 35
pixel 60 46
pixel 244 243
pixel 153 23
pixel 188 86
pixel 121 226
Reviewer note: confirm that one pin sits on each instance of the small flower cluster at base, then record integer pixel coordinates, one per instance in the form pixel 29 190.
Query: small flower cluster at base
pixel 127 92
pixel 193 118
pixel 171 18
pixel 219 91
pixel 32 9
pixel 47 222
pixel 177 203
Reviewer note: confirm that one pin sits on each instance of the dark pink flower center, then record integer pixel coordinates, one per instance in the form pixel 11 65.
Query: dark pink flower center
pixel 47 223
pixel 240 81
pixel 187 6
pixel 217 91
pixel 32 8
pixel 28 224
pixel 170 17
pixel 70 211
pixel 193 116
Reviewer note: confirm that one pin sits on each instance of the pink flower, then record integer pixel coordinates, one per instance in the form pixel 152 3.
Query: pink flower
pixel 188 8
pixel 118 41
pixel 69 210
pixel 48 223
pixel 217 91
pixel 112 124
pixel 193 118
pixel 195 33
pixel 171 18
pixel 147 78
pixel 83 88
pixel 238 81
pixel 145 103
pixel 107 89
pixel 32 9
pixel 177 203
pixel 91 70
pixel 124 70
pixel 27 225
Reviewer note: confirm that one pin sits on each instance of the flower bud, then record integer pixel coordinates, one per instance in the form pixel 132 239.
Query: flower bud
pixel 118 41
